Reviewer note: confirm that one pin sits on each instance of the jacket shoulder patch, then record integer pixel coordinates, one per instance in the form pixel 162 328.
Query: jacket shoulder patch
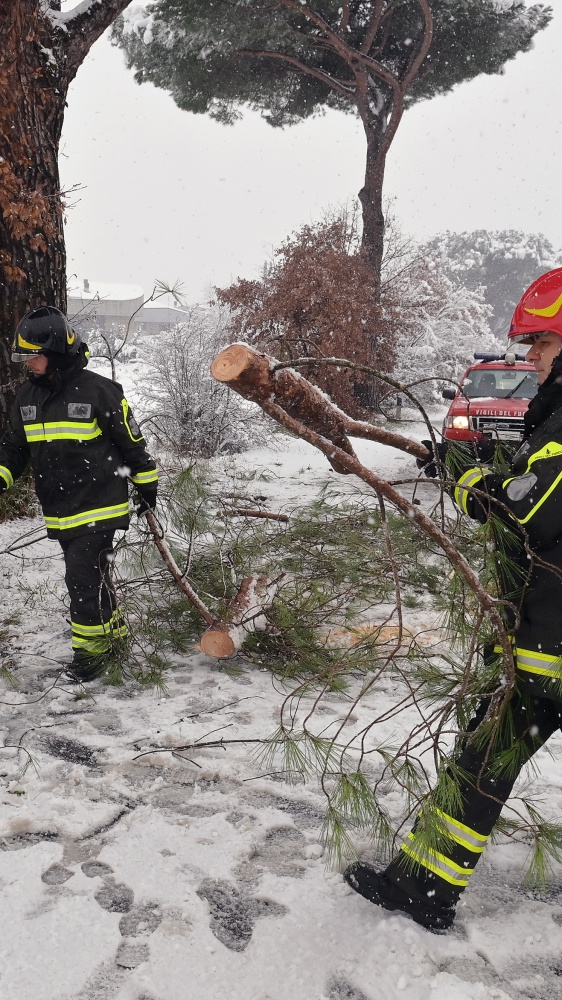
pixel 80 411
pixel 28 412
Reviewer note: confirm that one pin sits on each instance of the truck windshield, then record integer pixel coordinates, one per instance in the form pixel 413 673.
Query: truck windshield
pixel 500 384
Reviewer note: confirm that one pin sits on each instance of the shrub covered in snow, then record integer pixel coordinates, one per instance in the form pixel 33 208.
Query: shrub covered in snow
pixel 189 413
pixel 439 325
pixel 503 264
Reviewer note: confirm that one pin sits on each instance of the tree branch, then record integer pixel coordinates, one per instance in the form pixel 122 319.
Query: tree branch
pixel 343 87
pixel 83 25
pixel 345 15
pixel 372 29
pixel 424 47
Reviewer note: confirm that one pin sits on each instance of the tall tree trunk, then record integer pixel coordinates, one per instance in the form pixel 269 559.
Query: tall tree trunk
pixel 42 49
pixel 372 240
pixel 372 212
pixel 32 254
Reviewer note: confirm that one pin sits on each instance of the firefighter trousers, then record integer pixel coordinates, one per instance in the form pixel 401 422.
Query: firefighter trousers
pixel 485 777
pixel 94 615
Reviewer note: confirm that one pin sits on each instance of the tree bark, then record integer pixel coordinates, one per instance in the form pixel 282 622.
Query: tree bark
pixel 162 546
pixel 252 376
pixel 372 212
pixel 32 255
pixel 42 50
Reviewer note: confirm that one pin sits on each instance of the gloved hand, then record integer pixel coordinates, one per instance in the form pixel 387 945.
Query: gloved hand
pixel 145 498
pixel 3 485
pixel 429 465
pixel 486 449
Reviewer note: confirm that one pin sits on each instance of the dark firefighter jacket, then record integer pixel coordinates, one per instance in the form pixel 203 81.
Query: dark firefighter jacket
pixel 529 500
pixel 82 440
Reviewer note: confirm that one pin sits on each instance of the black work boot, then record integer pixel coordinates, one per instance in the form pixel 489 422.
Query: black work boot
pixel 87 666
pixel 379 889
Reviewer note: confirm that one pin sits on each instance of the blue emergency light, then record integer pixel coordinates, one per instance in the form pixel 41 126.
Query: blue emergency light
pixel 499 357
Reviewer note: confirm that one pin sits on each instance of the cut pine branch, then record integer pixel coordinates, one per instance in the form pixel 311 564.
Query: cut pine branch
pixel 256 377
pixel 249 373
pixel 272 405
pixel 162 546
pixel 245 614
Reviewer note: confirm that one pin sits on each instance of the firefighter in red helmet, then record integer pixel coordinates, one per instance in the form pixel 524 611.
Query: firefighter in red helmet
pixel 423 881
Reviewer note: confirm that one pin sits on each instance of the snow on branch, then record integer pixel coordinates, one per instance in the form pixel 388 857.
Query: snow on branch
pixel 84 24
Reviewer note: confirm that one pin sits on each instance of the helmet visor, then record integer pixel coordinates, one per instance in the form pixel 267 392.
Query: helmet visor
pixel 19 358
pixel 524 338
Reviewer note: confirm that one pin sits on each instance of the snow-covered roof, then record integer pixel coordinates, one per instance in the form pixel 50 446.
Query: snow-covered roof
pixel 104 290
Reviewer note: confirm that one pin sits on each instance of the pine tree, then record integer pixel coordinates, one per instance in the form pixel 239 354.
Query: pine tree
pixel 291 59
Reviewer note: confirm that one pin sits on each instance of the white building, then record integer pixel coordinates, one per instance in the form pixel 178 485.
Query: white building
pixel 106 306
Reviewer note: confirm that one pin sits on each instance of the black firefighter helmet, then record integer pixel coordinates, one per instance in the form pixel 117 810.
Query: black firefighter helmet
pixel 44 331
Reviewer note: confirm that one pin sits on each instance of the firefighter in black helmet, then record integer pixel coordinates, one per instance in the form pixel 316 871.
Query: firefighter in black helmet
pixel 77 431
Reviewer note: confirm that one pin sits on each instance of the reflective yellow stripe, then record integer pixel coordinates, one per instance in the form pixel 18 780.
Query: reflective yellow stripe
pixel 111 628
pixel 100 645
pixel 7 475
pixel 499 649
pixel 126 418
pixel 545 496
pixel 27 346
pixel 87 517
pixel 438 863
pixel 62 431
pixel 462 834
pixel 145 477
pixel 97 644
pixel 467 482
pixel 532 662
pixel 551 450
pixel 97 638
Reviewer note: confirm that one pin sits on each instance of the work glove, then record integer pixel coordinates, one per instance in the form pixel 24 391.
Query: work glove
pixel 145 498
pixel 429 465
pixel 486 449
pixel 3 485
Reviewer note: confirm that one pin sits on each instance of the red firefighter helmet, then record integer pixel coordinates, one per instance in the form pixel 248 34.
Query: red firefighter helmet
pixel 540 309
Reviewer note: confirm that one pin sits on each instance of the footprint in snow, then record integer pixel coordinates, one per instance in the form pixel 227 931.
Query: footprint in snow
pixel 233 915
pixel 95 869
pixel 143 918
pixel 56 875
pixel 135 926
pixel 340 989
pixel 70 750
pixel 281 851
pixel 114 897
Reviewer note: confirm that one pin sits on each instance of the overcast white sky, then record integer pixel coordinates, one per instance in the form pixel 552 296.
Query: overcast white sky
pixel 169 195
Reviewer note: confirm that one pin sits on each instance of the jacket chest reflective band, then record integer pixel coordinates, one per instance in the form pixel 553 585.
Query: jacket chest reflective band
pixel 437 863
pixel 87 517
pixel 531 662
pixel 62 430
pixel 7 475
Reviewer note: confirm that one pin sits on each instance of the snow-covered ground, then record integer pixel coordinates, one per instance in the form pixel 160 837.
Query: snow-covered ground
pixel 128 875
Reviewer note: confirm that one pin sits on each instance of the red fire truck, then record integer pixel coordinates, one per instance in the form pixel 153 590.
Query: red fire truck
pixel 491 399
